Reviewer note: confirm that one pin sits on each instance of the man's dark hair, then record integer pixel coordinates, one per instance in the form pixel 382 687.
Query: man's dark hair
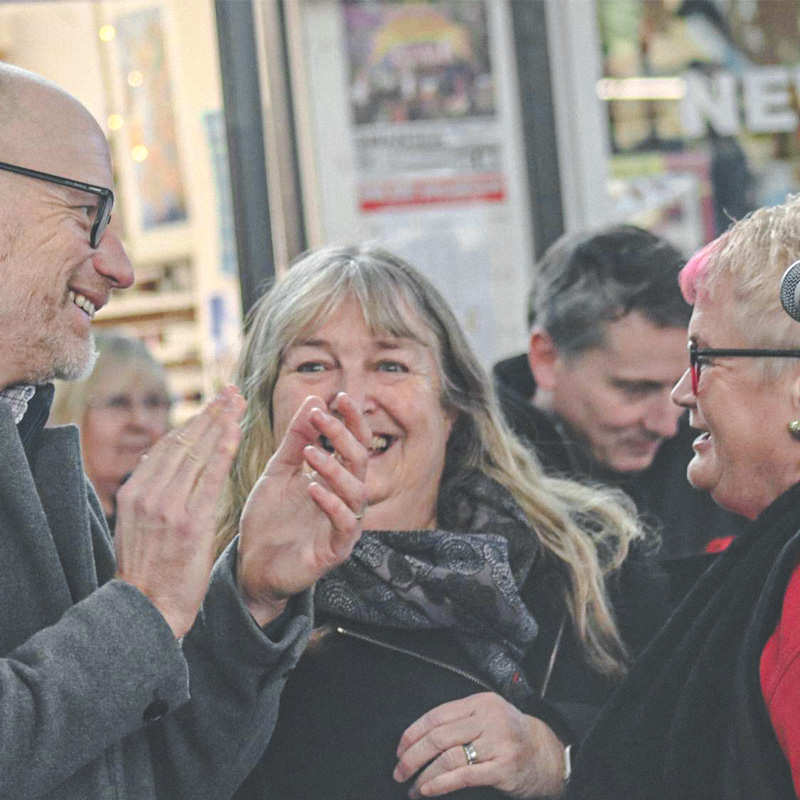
pixel 584 281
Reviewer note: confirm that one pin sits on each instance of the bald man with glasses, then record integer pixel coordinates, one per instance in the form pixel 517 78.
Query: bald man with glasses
pixel 144 669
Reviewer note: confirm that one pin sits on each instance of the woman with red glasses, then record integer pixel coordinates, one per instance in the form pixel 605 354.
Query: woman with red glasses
pixel 712 709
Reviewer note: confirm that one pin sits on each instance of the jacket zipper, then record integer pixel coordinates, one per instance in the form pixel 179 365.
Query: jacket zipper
pixel 457 670
pixel 433 661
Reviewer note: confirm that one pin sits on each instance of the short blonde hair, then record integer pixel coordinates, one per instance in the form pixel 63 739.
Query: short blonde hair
pixel 751 257
pixel 586 531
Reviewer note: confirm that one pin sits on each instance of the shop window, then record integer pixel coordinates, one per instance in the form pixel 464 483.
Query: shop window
pixel 148 70
pixel 702 101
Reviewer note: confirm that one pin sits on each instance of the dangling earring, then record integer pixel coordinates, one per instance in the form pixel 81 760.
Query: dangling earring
pixel 794 428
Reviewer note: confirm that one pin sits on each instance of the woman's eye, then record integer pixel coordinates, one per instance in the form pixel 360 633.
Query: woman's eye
pixel 311 366
pixel 392 366
pixel 118 401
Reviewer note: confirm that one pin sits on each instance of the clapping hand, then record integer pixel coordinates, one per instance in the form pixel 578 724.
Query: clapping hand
pixel 165 527
pixel 303 516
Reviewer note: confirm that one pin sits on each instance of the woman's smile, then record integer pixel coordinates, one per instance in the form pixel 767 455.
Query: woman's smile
pixel 395 382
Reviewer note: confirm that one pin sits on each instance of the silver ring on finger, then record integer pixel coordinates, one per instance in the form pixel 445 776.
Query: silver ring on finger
pixel 471 753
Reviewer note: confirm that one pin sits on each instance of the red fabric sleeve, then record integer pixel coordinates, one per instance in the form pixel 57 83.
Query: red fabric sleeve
pixel 780 677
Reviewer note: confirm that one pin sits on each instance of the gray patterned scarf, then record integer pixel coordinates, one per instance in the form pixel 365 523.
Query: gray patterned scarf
pixel 466 578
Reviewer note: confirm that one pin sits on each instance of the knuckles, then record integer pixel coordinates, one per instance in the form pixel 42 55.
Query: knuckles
pixel 153 510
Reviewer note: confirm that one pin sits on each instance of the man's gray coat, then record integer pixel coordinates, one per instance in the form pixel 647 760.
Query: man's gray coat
pixel 94 689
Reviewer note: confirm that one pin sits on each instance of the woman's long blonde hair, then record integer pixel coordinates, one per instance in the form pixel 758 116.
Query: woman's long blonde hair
pixel 586 531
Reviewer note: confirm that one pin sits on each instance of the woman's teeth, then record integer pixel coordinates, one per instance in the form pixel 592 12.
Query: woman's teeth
pixel 378 444
pixel 83 303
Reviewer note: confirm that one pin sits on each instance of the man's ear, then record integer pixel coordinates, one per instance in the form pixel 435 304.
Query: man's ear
pixel 542 357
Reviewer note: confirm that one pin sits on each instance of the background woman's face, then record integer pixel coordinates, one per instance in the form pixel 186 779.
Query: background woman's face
pixel 396 384
pixel 744 455
pixel 123 421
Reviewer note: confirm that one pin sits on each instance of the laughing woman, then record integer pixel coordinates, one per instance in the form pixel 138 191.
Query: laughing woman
pixel 479 584
pixel 711 710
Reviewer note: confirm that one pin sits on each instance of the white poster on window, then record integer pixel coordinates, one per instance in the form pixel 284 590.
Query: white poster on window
pixel 417 146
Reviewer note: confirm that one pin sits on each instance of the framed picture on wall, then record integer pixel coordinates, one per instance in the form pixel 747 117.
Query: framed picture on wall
pixel 145 133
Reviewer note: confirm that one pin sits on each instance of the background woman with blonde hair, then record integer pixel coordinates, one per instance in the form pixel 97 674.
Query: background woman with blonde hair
pixel 122 408
pixel 477 580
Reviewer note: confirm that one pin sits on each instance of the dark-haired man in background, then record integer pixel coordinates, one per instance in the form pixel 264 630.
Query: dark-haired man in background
pixel 591 395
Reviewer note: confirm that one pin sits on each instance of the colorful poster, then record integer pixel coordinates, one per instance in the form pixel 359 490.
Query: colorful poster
pixel 422 104
pixel 418 61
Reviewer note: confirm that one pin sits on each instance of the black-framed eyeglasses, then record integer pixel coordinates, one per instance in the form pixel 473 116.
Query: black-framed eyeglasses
pixel 105 196
pixel 699 356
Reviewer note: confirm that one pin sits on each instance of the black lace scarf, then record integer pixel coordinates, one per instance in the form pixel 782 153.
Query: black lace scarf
pixel 465 577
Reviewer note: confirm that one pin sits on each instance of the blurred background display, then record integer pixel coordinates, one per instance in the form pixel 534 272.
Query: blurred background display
pixel 466 135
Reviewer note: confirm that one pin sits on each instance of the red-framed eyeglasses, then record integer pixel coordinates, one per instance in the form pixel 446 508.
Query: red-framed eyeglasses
pixel 699 356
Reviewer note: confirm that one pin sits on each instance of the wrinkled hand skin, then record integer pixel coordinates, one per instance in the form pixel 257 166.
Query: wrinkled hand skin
pixel 164 537
pixel 517 754
pixel 300 518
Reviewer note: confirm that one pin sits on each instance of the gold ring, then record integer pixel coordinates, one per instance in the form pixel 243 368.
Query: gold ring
pixel 471 753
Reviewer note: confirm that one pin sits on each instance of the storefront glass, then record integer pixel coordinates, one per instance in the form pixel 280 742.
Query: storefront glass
pixel 148 70
pixel 702 100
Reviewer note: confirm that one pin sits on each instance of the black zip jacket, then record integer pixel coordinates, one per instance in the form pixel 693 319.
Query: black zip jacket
pixel 357 688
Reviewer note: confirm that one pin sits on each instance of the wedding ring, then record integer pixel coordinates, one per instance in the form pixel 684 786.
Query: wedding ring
pixel 360 514
pixel 181 439
pixel 471 753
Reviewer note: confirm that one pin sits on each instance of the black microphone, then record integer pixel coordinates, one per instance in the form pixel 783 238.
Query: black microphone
pixel 790 291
